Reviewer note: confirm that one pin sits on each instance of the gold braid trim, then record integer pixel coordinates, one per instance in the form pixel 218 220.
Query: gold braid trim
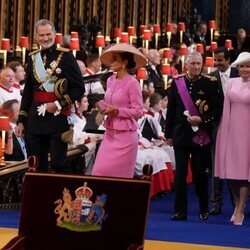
pixel 59 88
pixel 68 100
pixel 24 113
pixel 49 71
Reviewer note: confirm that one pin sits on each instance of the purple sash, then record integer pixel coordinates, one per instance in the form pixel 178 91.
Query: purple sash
pixel 201 137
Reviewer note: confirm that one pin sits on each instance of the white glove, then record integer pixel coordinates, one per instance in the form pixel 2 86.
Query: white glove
pixel 194 128
pixel 42 109
pixel 59 108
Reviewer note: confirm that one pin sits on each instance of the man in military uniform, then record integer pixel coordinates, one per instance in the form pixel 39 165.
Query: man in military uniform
pixel 195 104
pixel 53 83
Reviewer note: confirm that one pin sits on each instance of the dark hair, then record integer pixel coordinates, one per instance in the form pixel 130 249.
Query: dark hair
pixel 203 23
pixel 224 50
pixel 155 99
pixel 8 107
pixel 13 65
pixel 145 96
pixel 92 58
pixel 93 98
pixel 79 99
pixel 130 58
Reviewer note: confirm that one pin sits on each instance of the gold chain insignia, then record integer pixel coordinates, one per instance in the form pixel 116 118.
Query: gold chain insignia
pixel 49 71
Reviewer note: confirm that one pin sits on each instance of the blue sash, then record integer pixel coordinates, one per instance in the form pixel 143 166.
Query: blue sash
pixel 48 85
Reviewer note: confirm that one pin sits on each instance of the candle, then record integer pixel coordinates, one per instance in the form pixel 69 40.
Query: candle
pixel 213 46
pixel 74 45
pixel 183 52
pixel 117 34
pixel 169 30
pixel 228 44
pixel 212 24
pixel 157 29
pixel 124 37
pixel 165 69
pixel 167 54
pixel 100 43
pixel 141 75
pixel 74 34
pixel 131 31
pixel 209 62
pixel 146 38
pixel 142 28
pixel 24 43
pixel 169 27
pixel 5 46
pixel 147 35
pixel 59 39
pixel 199 48
pixel 181 29
pixel 157 32
pixel 212 28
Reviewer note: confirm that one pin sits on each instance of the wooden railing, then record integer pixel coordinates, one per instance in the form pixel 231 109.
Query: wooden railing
pixel 11 180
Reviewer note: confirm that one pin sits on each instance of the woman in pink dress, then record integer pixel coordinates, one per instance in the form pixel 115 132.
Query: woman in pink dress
pixel 232 158
pixel 123 106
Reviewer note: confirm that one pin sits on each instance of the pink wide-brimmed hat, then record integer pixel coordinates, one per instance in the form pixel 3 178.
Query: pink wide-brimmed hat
pixel 242 58
pixel 139 58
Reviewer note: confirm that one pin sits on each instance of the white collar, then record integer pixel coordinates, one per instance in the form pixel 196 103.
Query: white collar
pixel 227 72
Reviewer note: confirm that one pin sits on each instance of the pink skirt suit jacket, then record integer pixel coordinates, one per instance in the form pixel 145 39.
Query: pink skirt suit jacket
pixel 116 156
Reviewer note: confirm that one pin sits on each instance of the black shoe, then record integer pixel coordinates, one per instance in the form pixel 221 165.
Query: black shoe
pixel 215 210
pixel 179 216
pixel 204 216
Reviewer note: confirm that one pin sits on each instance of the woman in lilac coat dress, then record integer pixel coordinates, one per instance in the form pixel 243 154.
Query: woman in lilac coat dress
pixel 123 106
pixel 232 157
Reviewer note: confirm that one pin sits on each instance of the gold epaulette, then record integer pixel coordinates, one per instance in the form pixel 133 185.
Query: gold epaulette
pixel 212 78
pixel 24 113
pixel 180 75
pixel 34 52
pixel 63 49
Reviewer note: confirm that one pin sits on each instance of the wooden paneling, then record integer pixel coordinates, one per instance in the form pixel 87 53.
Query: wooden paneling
pixel 18 17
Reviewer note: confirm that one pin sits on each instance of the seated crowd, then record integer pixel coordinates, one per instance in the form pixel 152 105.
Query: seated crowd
pixel 153 147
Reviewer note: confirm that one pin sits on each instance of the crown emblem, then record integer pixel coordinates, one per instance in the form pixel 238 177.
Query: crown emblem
pixel 82 214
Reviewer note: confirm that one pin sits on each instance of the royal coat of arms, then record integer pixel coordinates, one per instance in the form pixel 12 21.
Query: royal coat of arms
pixel 81 214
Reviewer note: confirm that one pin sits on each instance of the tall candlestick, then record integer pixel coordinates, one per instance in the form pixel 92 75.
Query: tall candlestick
pixel 117 34
pixel 182 63
pixel 167 54
pixel 2 163
pixel 209 63
pixel 131 32
pixel 228 44
pixel 23 55
pixel 99 51
pixel 157 32
pixel 181 28
pixel 181 36
pixel 169 30
pixel 156 40
pixel 212 28
pixel 165 77
pixel 146 44
pixel 141 84
pixel 169 38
